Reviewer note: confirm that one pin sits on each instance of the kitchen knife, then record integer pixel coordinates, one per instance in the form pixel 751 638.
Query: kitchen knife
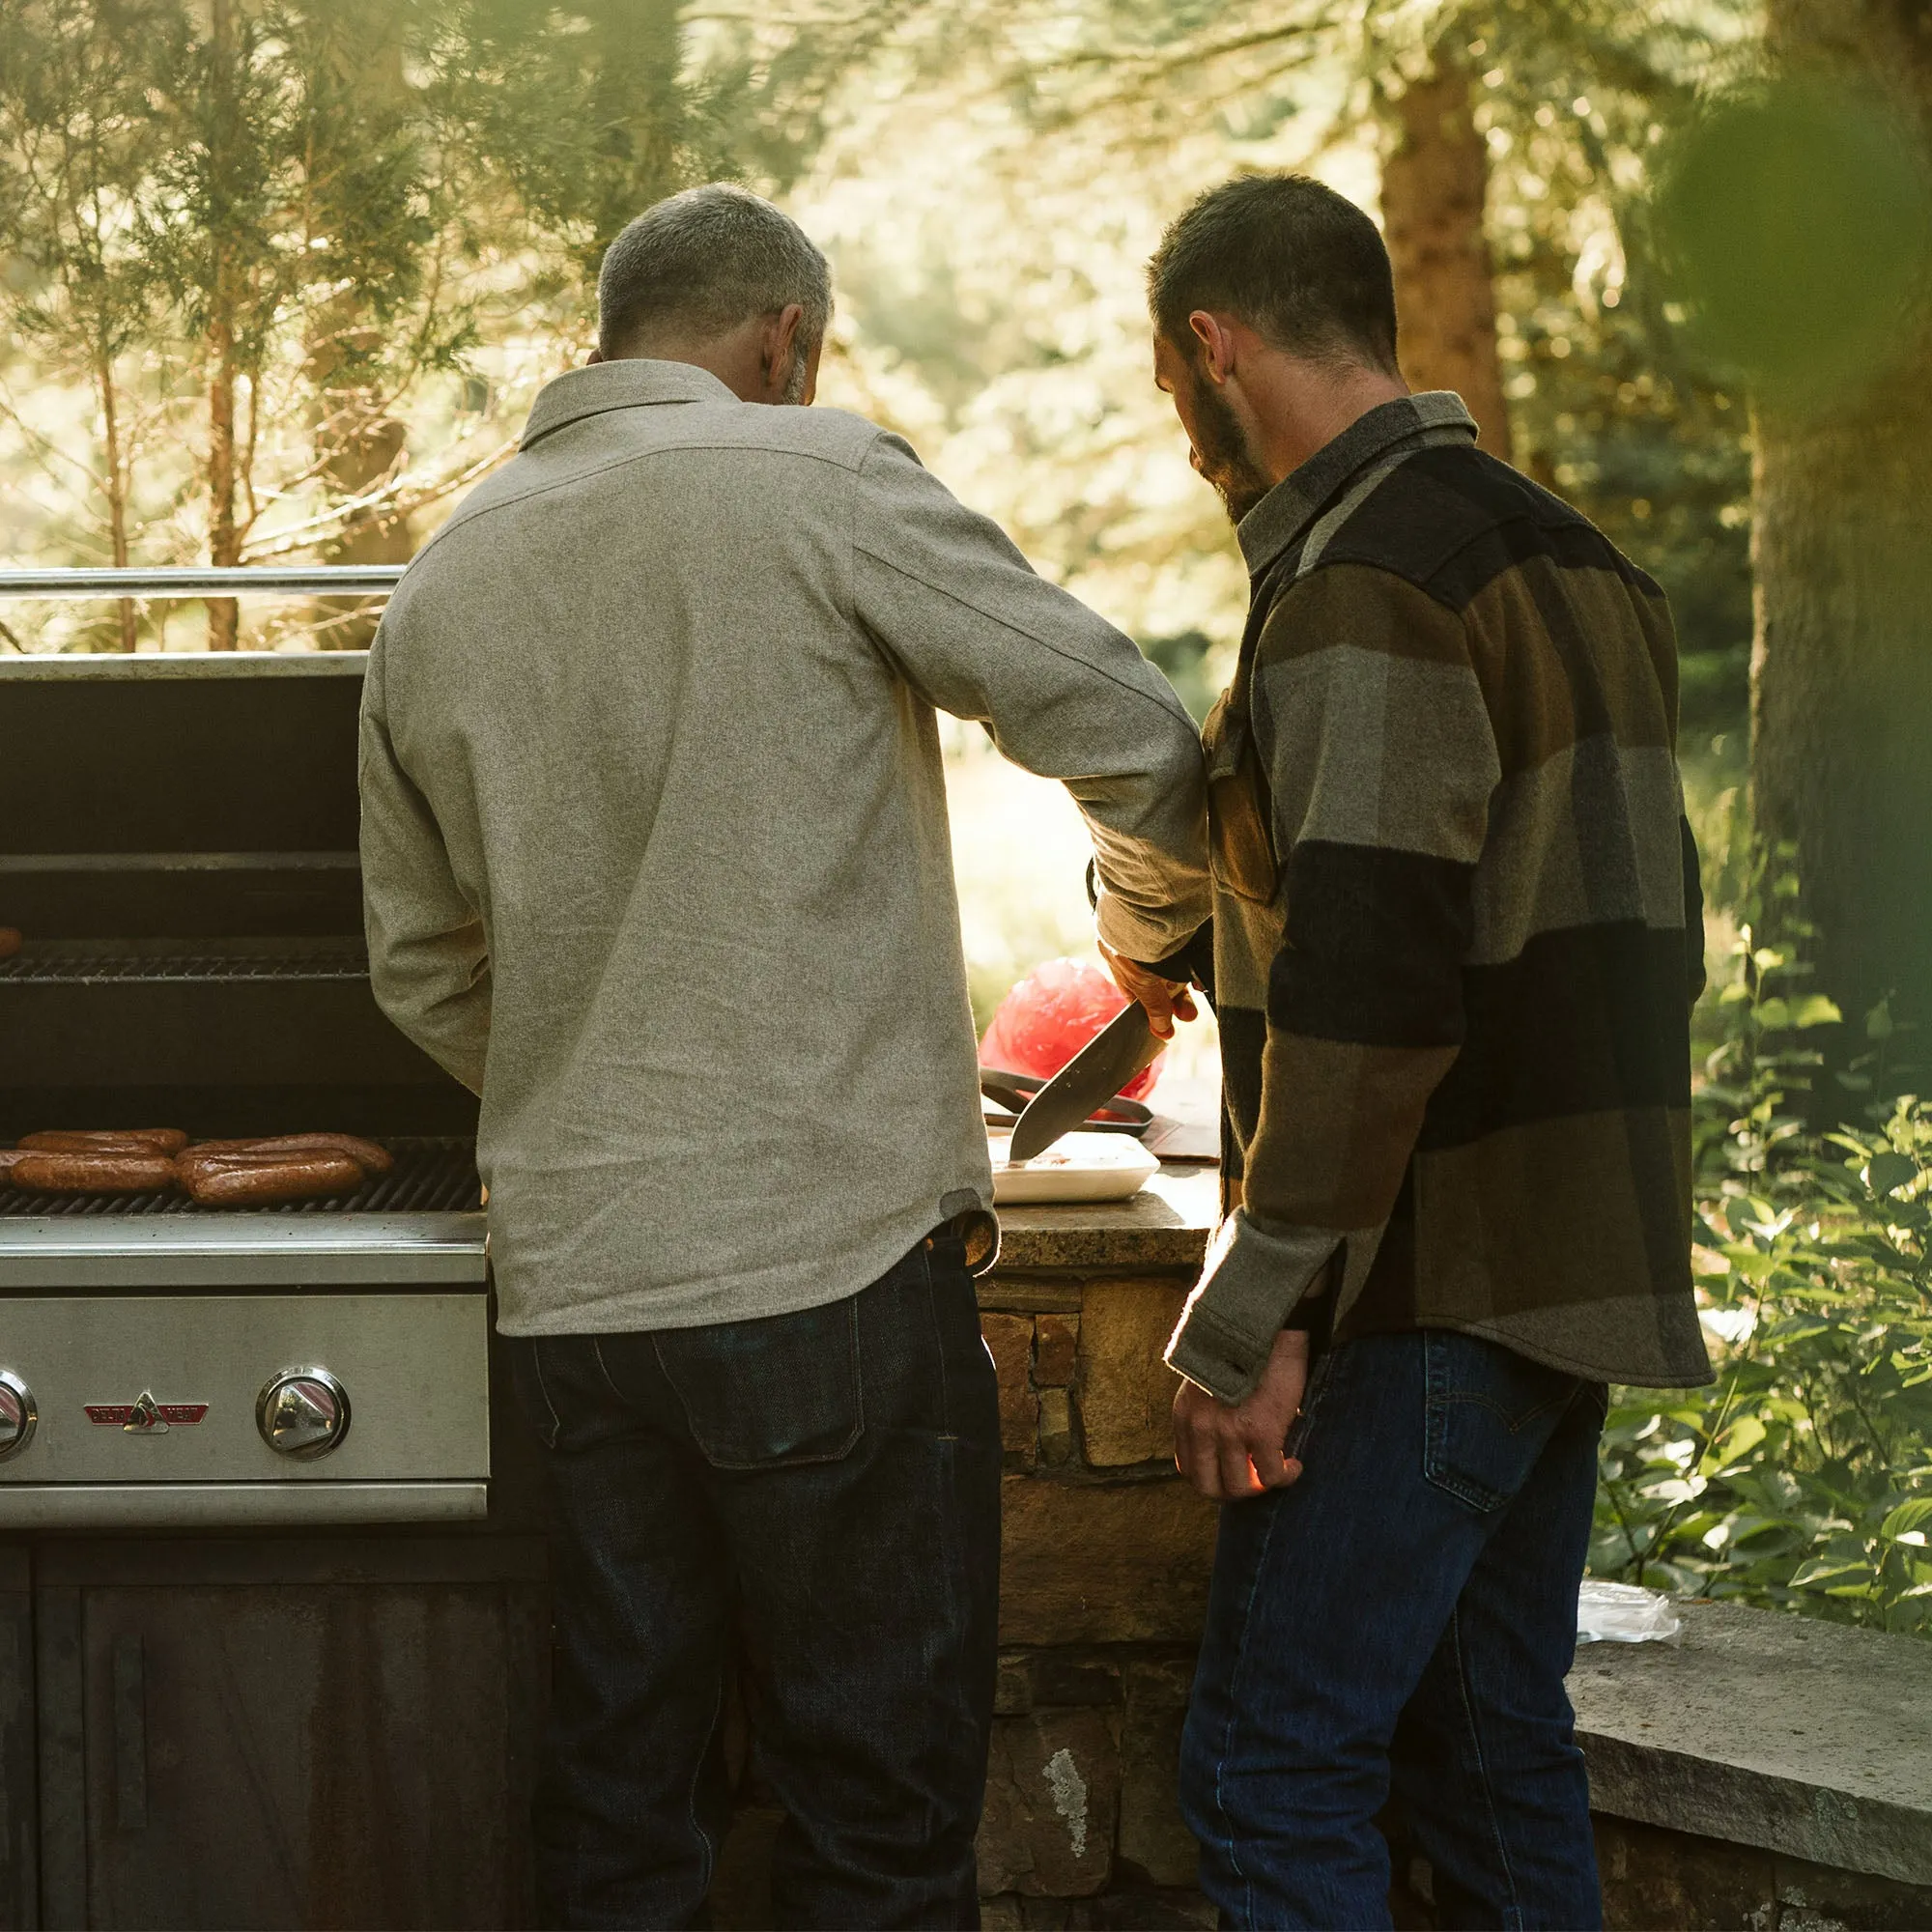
pixel 1089 1079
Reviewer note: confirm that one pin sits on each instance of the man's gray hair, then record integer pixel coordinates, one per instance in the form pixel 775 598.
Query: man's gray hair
pixel 700 263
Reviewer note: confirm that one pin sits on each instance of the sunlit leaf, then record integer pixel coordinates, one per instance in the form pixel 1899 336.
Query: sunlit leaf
pixel 1907 1516
pixel 1816 1010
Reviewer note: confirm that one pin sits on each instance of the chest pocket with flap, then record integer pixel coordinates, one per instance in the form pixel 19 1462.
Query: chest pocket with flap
pixel 1240 841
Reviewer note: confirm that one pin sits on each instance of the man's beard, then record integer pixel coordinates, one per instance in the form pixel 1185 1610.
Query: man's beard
pixel 1225 460
pixel 795 377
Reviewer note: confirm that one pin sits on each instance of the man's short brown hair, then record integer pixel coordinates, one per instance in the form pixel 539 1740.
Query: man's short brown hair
pixel 1300 264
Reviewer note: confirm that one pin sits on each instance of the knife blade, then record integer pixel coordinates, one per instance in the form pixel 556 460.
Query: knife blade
pixel 1089 1079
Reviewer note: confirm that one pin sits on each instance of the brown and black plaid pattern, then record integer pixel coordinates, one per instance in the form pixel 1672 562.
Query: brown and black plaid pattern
pixel 1458 928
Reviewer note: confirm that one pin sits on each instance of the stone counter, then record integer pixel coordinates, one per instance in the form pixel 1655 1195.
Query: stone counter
pixel 1104 1562
pixel 1769 1773
pixel 1165 1225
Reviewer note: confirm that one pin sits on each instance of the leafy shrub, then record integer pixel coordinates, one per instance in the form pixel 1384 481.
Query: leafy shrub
pixel 1803 1479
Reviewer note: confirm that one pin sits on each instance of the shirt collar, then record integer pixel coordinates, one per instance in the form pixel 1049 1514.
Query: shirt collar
pixel 1297 499
pixel 633 383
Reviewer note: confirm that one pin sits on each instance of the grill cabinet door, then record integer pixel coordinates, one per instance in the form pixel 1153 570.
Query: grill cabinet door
pixel 299 1734
pixel 19 1810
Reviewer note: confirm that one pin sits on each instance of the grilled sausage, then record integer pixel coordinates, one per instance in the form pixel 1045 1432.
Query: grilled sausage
pixel 243 1183
pixel 104 1170
pixel 243 1153
pixel 215 1155
pixel 8 1158
pixel 367 1155
pixel 106 1140
pixel 11 941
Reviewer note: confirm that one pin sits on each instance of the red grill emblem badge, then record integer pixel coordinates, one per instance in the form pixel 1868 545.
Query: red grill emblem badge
pixel 145 1416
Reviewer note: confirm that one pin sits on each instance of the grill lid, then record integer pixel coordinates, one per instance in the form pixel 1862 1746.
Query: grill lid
pixel 178 844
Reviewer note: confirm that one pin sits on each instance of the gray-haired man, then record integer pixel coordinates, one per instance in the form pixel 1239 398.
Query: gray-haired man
pixel 657 861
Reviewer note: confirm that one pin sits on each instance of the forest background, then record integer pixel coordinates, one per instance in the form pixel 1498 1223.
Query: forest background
pixel 279 279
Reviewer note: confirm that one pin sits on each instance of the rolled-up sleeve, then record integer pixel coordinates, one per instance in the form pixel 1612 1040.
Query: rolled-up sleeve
pixel 973 628
pixel 429 962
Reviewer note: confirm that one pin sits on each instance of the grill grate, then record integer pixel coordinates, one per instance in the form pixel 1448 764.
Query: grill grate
pixel 430 1176
pixel 69 969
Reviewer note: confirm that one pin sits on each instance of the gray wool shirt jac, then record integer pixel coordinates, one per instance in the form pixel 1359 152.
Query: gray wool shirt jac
pixel 655 844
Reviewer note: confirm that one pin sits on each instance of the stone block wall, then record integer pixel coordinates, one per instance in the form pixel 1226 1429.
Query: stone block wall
pixel 1657 1880
pixel 1103 1585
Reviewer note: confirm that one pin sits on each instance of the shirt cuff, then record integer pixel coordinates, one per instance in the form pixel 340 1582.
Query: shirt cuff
pixel 1137 934
pixel 1255 1274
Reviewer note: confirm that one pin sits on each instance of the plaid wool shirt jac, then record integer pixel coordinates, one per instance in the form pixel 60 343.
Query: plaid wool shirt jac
pixel 1458 928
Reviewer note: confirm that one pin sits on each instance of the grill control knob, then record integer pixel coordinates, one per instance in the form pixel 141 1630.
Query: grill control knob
pixel 303 1412
pixel 17 1415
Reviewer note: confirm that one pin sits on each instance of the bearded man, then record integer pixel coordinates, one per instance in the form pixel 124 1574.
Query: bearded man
pixel 1457 934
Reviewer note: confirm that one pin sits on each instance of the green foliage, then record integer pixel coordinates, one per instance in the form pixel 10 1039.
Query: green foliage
pixel 580 114
pixel 1803 1479
pixel 269 241
pixel 79 136
pixel 1187 663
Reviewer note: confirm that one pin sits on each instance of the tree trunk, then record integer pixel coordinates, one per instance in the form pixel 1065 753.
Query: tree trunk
pixel 358 444
pixel 1436 178
pixel 364 447
pixel 1841 661
pixel 224 543
pixel 115 484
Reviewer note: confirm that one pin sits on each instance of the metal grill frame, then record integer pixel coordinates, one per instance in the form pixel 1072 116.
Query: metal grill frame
pixel 197 968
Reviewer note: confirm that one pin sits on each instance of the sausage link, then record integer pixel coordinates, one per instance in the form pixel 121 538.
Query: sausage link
pixel 11 941
pixel 106 1140
pixel 370 1156
pixel 219 1157
pixel 366 1155
pixel 110 1171
pixel 248 1183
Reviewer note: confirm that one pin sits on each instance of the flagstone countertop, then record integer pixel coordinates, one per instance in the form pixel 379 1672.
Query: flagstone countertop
pixel 1165 1225
pixel 1803 1738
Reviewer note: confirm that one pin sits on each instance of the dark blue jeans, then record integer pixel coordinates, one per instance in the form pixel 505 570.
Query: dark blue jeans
pixel 1407 1614
pixel 829 1482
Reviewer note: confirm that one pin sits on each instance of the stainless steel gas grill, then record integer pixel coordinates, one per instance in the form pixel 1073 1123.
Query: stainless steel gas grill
pixel 273 1603
pixel 177 849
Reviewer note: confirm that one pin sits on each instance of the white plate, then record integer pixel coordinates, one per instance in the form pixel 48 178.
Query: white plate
pixel 1076 1167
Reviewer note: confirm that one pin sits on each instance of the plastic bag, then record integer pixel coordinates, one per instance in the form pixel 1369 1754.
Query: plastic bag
pixel 1624 1614
pixel 1050 1015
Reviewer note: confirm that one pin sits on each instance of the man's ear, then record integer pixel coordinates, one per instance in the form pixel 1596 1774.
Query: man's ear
pixel 779 346
pixel 1218 346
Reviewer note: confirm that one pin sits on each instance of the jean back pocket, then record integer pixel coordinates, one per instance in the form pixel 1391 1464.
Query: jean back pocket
pixel 771 1393
pixel 1489 1413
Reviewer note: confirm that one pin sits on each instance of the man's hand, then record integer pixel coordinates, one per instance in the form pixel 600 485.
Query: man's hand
pixel 1165 999
pixel 1229 1454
